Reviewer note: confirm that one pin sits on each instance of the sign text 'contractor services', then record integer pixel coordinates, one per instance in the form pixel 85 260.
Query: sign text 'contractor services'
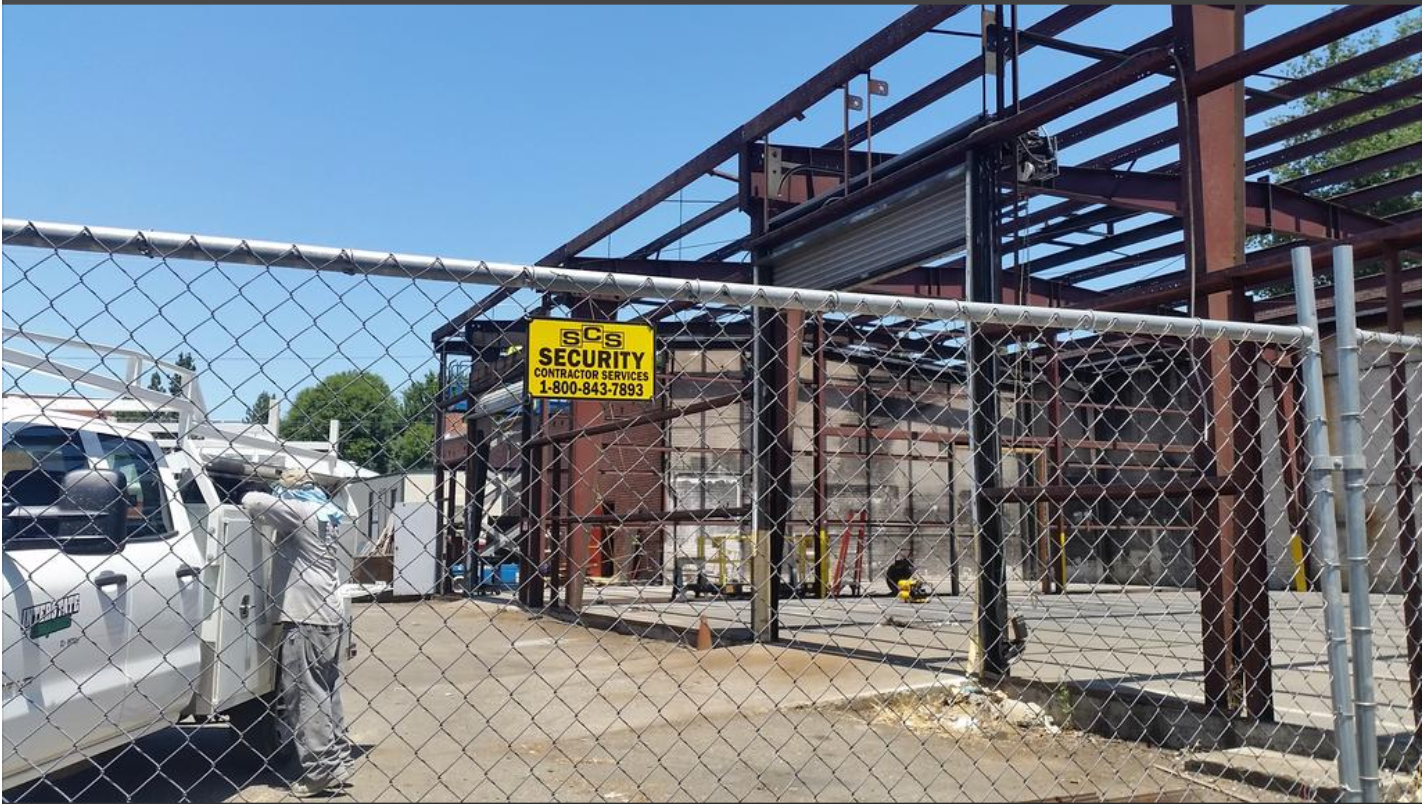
pixel 590 360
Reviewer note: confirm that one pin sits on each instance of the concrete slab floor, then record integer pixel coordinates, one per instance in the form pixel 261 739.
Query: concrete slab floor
pixel 1144 638
pixel 470 700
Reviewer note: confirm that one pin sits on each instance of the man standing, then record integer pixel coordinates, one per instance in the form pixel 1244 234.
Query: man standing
pixel 304 584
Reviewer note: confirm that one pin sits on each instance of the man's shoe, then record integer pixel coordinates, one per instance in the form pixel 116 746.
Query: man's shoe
pixel 307 788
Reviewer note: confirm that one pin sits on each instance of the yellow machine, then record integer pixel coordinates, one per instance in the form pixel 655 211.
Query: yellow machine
pixel 913 591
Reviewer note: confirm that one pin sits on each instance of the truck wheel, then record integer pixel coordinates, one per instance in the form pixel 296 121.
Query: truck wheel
pixel 258 727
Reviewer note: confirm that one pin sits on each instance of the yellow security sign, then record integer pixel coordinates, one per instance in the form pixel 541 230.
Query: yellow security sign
pixel 589 360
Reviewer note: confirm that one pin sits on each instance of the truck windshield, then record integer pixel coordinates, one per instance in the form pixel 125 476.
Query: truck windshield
pixel 36 460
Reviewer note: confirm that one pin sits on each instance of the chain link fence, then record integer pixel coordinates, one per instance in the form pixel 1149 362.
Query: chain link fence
pixel 708 541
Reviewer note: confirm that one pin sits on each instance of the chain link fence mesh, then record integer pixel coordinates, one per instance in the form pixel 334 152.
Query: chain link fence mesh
pixel 850 549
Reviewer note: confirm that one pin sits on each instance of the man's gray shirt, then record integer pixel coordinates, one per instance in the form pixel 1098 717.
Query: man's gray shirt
pixel 304 572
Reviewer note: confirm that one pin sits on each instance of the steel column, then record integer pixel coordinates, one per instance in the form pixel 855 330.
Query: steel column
pixel 531 563
pixel 989 655
pixel 818 454
pixel 1253 603
pixel 1056 579
pixel 584 487
pixel 1405 475
pixel 475 483
pixel 441 521
pixel 1213 155
pixel 1289 425
pixel 773 380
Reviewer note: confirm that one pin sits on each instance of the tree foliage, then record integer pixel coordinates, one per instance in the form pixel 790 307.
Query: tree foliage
pixel 259 410
pixel 175 380
pixel 1372 81
pixel 362 402
pixel 414 448
pixel 418 399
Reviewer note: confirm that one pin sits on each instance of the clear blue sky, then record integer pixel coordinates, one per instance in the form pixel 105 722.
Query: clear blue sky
pixel 484 132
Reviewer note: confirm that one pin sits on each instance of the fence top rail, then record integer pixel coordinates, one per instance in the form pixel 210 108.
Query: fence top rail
pixel 1393 341
pixel 204 248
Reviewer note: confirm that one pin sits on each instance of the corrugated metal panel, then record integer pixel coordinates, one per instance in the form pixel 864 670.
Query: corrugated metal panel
pixel 497 400
pixel 909 228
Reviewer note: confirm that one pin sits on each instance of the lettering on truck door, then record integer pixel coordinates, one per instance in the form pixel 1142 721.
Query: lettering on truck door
pixel 67 615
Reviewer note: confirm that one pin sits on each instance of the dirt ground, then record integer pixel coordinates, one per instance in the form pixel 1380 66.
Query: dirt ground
pixel 454 700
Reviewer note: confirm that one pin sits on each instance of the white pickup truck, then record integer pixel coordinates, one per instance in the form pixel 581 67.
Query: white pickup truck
pixel 107 639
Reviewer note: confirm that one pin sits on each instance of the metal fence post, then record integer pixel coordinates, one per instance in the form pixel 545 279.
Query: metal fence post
pixel 1352 449
pixel 1322 525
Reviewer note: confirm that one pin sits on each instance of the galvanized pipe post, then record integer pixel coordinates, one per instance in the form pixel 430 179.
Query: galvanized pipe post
pixel 1322 525
pixel 1357 551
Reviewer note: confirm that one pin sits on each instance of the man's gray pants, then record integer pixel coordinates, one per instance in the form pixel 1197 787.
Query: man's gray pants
pixel 311 699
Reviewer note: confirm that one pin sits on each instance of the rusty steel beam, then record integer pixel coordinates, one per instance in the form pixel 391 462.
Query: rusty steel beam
pixel 1407 185
pixel 1104 245
pixel 1359 168
pixel 1335 139
pixel 1105 83
pixel 1207 487
pixel 674 269
pixel 650 417
pixel 1404 47
pixel 947 282
pixel 684 229
pixel 1403 90
pixel 862 57
pixel 1277 208
pixel 1270 265
pixel 1055 23
pixel 1316 33
pixel 1370 293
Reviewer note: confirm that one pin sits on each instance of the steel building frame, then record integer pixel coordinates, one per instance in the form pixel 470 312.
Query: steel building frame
pixel 1205 199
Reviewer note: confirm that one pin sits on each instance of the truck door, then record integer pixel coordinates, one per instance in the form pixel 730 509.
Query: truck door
pixel 67 615
pixel 164 657
pixel 239 619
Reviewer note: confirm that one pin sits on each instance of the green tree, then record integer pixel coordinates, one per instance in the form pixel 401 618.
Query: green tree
pixel 362 402
pixel 1365 84
pixel 418 399
pixel 1370 82
pixel 414 448
pixel 175 380
pixel 155 382
pixel 260 408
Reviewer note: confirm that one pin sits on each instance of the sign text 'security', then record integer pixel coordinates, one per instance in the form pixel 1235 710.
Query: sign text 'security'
pixel 589 360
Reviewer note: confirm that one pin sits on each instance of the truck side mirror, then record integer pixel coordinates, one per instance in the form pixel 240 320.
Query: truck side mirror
pixel 90 516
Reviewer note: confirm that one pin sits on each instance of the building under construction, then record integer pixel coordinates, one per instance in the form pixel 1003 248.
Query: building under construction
pixel 844 441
